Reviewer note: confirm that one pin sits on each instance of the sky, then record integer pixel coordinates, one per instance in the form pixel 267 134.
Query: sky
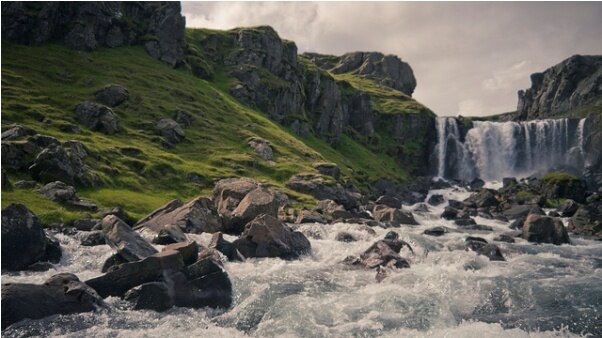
pixel 469 58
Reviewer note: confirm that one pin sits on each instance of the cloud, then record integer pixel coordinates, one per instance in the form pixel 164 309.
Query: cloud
pixel 459 51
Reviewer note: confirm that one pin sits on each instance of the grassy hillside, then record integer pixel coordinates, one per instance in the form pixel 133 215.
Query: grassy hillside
pixel 42 85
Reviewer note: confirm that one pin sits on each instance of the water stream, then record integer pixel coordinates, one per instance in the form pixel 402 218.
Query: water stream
pixel 540 291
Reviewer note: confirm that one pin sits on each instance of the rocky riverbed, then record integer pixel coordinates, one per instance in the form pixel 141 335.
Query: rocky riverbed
pixel 537 290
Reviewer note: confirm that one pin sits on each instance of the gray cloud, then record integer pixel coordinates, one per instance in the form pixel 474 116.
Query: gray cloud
pixel 468 58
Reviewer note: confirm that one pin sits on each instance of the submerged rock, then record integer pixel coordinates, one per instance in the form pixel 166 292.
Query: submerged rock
pixel 481 247
pixel 63 293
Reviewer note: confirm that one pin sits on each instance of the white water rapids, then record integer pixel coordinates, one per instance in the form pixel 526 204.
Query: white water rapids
pixel 540 291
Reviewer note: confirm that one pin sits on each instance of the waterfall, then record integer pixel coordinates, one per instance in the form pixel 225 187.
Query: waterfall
pixel 494 150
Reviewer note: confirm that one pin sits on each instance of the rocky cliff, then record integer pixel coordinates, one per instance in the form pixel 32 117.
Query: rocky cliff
pixel 575 82
pixel 158 26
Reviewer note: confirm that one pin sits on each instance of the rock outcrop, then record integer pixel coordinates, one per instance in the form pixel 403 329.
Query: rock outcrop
pixel 573 83
pixel 158 26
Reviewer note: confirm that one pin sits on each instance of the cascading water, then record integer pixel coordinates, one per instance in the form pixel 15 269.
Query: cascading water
pixel 493 150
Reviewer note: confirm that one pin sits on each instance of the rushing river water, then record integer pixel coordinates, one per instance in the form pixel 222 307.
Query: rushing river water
pixel 540 291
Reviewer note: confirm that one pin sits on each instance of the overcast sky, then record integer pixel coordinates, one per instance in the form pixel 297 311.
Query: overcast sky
pixel 468 58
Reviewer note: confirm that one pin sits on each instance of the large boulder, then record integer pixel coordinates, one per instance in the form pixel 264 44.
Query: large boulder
pixel 228 193
pixel 392 216
pixel 112 95
pixel 65 164
pixel 382 254
pixel 258 201
pixel 97 117
pixel 18 155
pixel 266 236
pixel 228 249
pixel 63 294
pixel 544 229
pixel 170 130
pixel 121 278
pixel 557 185
pixel 196 216
pixel 587 220
pixel 125 241
pixel 23 239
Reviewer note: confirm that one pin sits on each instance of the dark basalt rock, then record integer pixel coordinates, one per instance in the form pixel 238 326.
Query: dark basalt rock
pixel 449 213
pixel 481 247
pixel 196 216
pixel 544 229
pixel 435 199
pixel 112 95
pixel 266 236
pixel 436 231
pixel 125 241
pixel 168 234
pixel 43 141
pixel 85 224
pixel 522 211
pixel 587 220
pixel 97 117
pixel 63 293
pixel 345 237
pixel 328 169
pixel 390 201
pixel 65 194
pixel 504 238
pixel 570 84
pixel 567 208
pixel 382 254
pixel 24 242
pixel 483 199
pixel 65 164
pixel 89 25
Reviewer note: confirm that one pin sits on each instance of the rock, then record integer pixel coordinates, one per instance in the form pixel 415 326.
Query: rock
pixel 85 224
pixel 213 287
pixel 228 193
pixel 309 216
pixel 119 213
pixel 508 182
pixel 587 220
pixel 557 185
pixel 485 198
pixel 344 237
pixel 123 277
pixel 184 118
pixel 150 296
pixel 518 223
pixel 393 217
pixel 228 249
pixel 435 199
pixel 449 213
pixel 53 248
pixel 87 26
pixel 196 216
pixel 112 261
pixel 436 231
pixel 481 247
pixel 423 208
pixel 93 238
pixel 170 130
pixel 188 250
pixel 464 222
pixel 479 227
pixel 553 214
pixel 23 239
pixel 168 234
pixel 14 133
pixel 256 202
pixel 476 184
pixel 567 208
pixel 262 148
pixel 390 201
pixel 544 229
pixel 63 294
pixel 65 194
pixel 57 163
pixel 383 253
pixel 125 241
pixel 18 155
pixel 43 141
pixel 333 211
pixel 266 236
pixel 322 189
pixel 328 169
pixel 559 89
pixel 456 204
pixel 97 117
pixel 112 95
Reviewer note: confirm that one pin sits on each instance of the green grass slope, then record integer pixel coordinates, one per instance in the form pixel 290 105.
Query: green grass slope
pixel 42 85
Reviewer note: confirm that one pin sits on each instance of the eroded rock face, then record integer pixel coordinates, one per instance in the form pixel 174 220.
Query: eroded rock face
pixel 266 236
pixel 572 83
pixel 63 293
pixel 97 117
pixel 544 229
pixel 89 25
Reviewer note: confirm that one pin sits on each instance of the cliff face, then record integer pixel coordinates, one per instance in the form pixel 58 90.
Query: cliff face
pixel 573 83
pixel 158 26
pixel 387 70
